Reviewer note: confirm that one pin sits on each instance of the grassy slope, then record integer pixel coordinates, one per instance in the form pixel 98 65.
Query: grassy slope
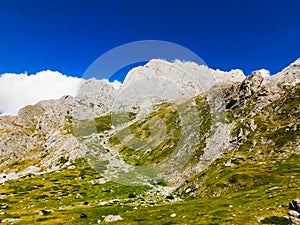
pixel 160 143
pixel 67 192
pixel 264 171
pixel 66 195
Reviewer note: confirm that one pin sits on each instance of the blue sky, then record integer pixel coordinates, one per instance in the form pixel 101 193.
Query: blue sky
pixel 67 36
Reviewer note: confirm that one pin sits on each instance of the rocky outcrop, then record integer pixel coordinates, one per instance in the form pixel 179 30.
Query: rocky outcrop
pixel 112 218
pixel 37 136
pixel 295 205
pixel 294 212
pixel 264 90
pixel 240 93
pixel 94 98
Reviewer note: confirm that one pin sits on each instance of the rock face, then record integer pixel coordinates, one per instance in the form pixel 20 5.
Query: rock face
pixel 266 90
pixel 240 93
pixel 95 98
pixel 295 205
pixel 160 81
pixel 196 78
pixel 38 136
pixel 294 212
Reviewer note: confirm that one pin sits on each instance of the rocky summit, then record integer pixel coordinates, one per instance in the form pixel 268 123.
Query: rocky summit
pixel 177 143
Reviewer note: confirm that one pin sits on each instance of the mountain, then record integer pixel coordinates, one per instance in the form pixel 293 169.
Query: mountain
pixel 177 143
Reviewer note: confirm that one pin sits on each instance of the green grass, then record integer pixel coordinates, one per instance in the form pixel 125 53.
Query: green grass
pixel 70 197
pixel 67 188
pixel 87 127
pixel 81 128
pixel 153 138
pixel 156 137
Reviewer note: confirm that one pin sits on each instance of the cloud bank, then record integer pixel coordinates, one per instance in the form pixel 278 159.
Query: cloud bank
pixel 116 84
pixel 264 72
pixel 19 90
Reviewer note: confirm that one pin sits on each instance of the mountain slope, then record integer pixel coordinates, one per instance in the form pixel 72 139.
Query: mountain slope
pixel 225 154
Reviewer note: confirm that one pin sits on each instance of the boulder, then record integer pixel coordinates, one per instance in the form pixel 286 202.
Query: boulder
pixel 112 218
pixel 10 220
pixel 295 220
pixel 295 205
pixel 294 213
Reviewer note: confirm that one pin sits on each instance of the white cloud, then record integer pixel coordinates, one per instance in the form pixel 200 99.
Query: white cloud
pixel 264 72
pixel 19 90
pixel 116 84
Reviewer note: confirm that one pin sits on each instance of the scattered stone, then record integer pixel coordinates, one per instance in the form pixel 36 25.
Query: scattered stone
pixel 131 196
pixel 68 163
pixel 295 220
pixel 10 220
pixel 170 197
pixel 45 212
pixel 188 190
pixel 112 218
pixel 228 163
pixel 115 200
pixel 83 216
pixel 102 181
pixel 71 167
pixel 297 151
pixel 273 188
pixel 4 206
pixel 106 133
pixel 103 203
pixel 294 213
pixel 295 205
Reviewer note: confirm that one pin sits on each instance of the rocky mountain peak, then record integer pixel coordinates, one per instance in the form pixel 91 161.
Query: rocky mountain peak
pixel 201 76
pixel 160 80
